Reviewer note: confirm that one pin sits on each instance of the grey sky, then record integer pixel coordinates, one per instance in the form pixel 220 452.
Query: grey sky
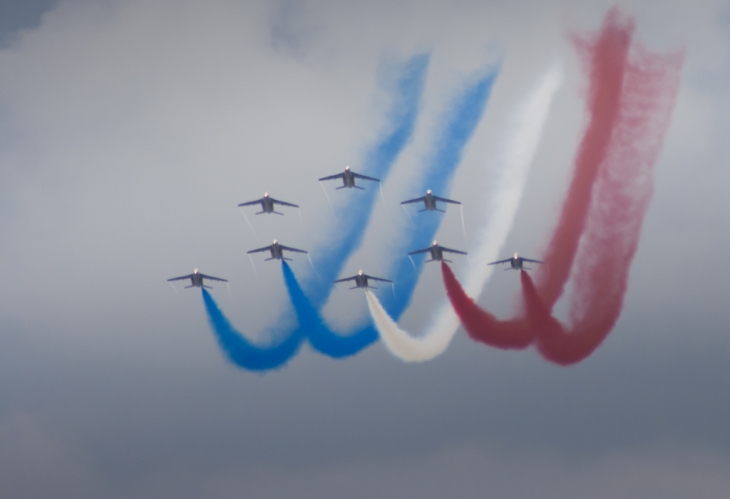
pixel 129 131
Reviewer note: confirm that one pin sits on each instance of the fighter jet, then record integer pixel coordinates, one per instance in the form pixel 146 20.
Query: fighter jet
pixel 429 200
pixel 267 204
pixel 361 280
pixel 348 178
pixel 437 252
pixel 196 279
pixel 277 251
pixel 516 262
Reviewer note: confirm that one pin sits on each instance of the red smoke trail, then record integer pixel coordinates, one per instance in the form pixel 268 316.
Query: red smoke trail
pixel 630 103
pixel 479 324
pixel 620 200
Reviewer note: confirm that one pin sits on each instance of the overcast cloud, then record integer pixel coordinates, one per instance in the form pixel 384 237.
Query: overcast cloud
pixel 131 129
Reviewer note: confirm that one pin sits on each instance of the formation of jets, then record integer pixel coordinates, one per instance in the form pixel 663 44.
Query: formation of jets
pixel 348 177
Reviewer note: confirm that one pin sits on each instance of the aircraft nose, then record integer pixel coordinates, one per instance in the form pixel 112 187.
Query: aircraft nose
pixel 435 243
pixel 275 241
pixel 428 191
pixel 266 194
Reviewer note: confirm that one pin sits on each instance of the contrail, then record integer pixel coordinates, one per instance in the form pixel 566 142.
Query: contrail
pixel 328 197
pixel 632 97
pixel 249 223
pixel 513 166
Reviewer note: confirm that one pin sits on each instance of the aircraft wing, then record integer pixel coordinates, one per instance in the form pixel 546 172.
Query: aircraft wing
pixel 364 177
pixel 213 278
pixel 377 278
pixel 500 261
pixel 532 261
pixel 444 200
pixel 453 250
pixel 250 203
pixel 416 200
pixel 332 177
pixel 265 248
pixel 345 279
pixel 419 251
pixel 283 203
pixel 291 249
pixel 181 278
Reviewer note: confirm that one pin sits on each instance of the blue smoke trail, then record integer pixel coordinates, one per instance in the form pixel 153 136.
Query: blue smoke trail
pixel 244 353
pixel 460 125
pixel 378 161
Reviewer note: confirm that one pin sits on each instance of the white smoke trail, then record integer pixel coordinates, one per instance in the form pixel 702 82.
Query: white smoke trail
pixel 513 166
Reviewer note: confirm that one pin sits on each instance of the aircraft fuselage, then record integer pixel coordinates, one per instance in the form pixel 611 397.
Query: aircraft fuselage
pixel 276 251
pixel 348 179
pixel 429 202
pixel 267 205
pixel 196 280
pixel 437 253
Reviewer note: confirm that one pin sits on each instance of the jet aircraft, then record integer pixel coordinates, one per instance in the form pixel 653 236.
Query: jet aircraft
pixel 516 262
pixel 429 200
pixel 348 178
pixel 361 280
pixel 196 279
pixel 437 252
pixel 277 251
pixel 267 204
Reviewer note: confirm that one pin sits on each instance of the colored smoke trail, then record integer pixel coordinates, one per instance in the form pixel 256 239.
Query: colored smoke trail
pixel 243 352
pixel 607 60
pixel 459 126
pixel 453 138
pixel 600 224
pixel 620 202
pixel 378 163
pixel 319 335
pixel 513 165
pixel 401 121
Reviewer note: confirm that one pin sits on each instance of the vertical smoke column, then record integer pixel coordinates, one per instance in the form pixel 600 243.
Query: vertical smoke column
pixel 607 59
pixel 631 99
pixel 620 201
